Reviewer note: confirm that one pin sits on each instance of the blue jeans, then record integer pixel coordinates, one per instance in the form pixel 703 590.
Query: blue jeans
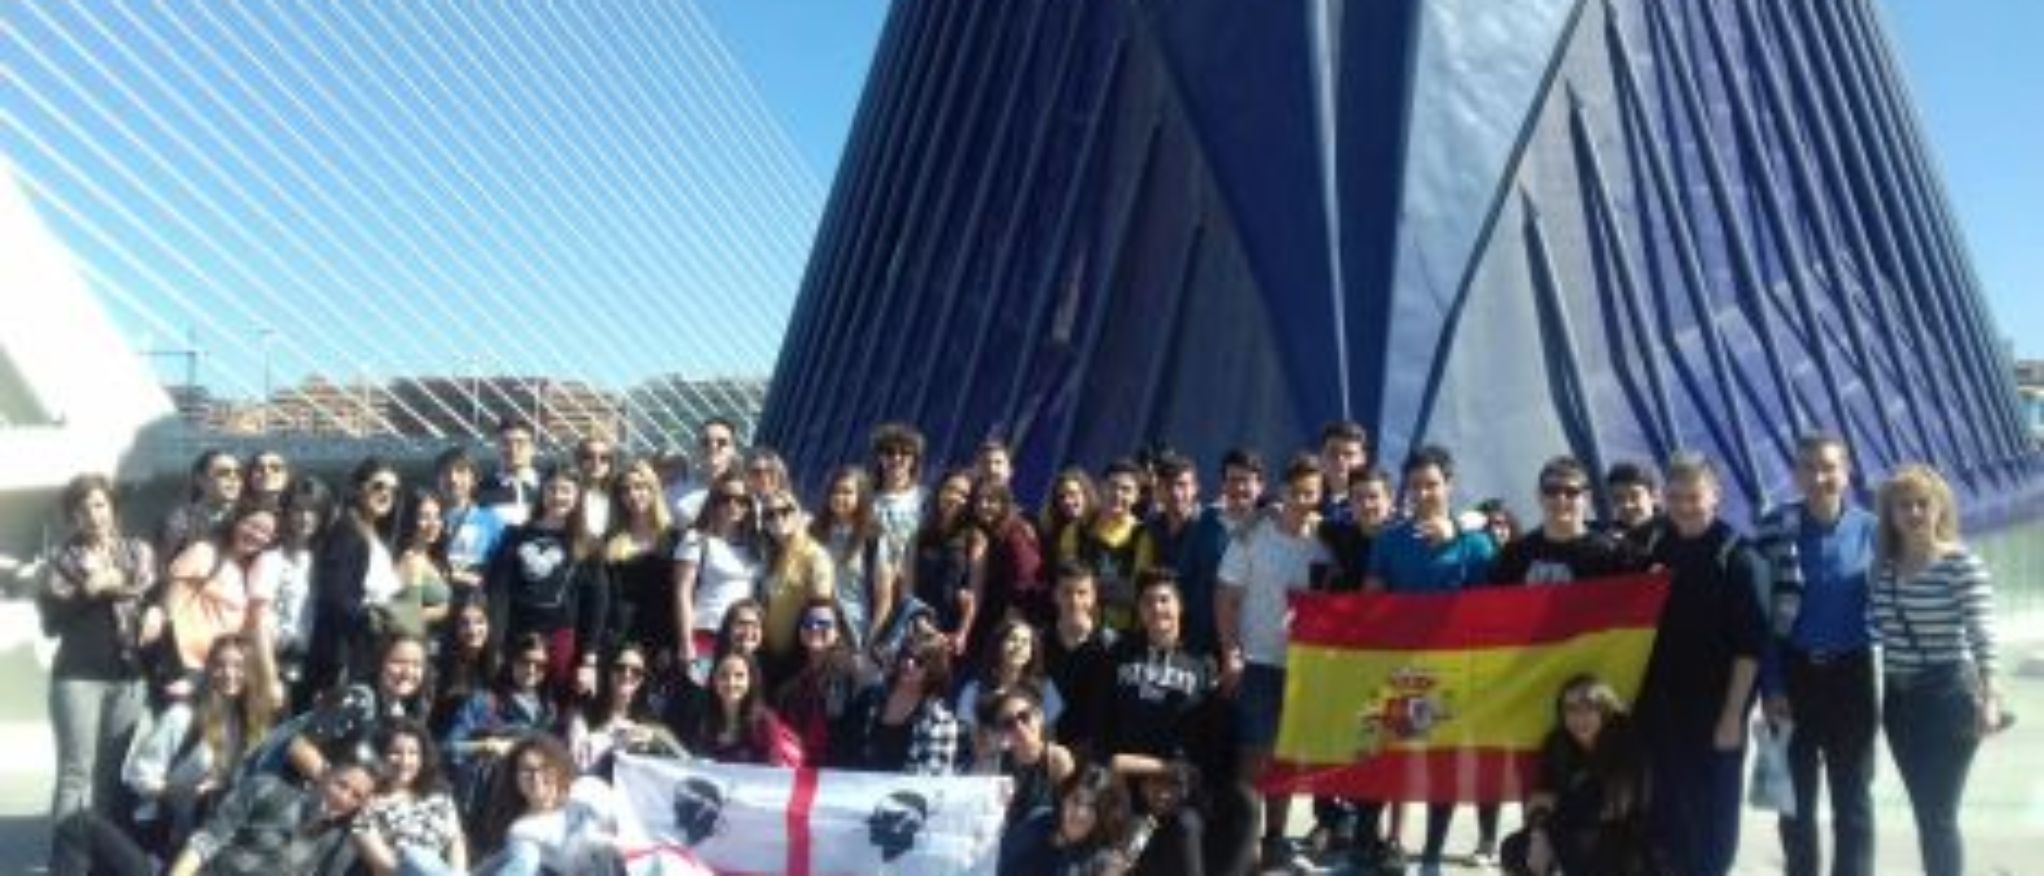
pixel 1932 719
pixel 92 721
pixel 1694 813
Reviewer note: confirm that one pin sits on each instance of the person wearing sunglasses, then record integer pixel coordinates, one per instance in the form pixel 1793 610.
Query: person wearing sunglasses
pixel 816 698
pixel 718 455
pixel 353 571
pixel 493 720
pixel 716 564
pixel 1563 548
pixel 595 461
pixel 216 484
pixel 797 570
pixel 1035 764
pixel 905 726
pixel 619 717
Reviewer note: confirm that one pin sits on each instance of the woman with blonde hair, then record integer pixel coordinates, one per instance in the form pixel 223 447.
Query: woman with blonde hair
pixel 190 756
pixel 1932 607
pixel 638 554
pixel 798 570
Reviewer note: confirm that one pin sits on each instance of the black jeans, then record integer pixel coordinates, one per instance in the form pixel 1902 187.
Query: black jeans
pixel 88 843
pixel 1836 717
pixel 1932 718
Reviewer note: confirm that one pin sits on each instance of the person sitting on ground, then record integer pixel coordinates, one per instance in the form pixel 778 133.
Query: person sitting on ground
pixel 1173 841
pixel 1587 812
pixel 737 727
pixel 494 720
pixel 816 699
pixel 618 718
pixel 904 725
pixel 412 814
pixel 195 750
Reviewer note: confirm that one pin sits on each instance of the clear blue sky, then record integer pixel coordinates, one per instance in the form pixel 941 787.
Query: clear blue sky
pixel 1976 68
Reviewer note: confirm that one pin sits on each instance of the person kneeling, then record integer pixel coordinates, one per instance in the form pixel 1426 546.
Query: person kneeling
pixel 1587 814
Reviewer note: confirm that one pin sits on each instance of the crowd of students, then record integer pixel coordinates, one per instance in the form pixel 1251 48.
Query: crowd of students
pixel 293 679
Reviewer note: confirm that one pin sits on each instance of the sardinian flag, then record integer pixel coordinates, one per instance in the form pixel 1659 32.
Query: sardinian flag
pixel 681 817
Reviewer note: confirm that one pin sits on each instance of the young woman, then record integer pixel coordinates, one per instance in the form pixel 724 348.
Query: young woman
pixel 92 602
pixel 1933 607
pixel 544 821
pixel 412 816
pixel 1173 835
pixel 353 572
pixel 904 726
pixel 196 747
pixel 1015 582
pixel 638 554
pixel 1024 751
pixel 466 663
pixel 1092 827
pixel 1588 808
pixel 847 529
pixel 545 582
pixel 423 592
pixel 798 570
pixel 715 565
pixel 1109 541
pixel 485 728
pixel 216 485
pixel 1072 500
pixel 737 726
pixel 1012 657
pixel 268 478
pixel 342 723
pixel 219 586
pixel 946 564
pixel 308 511
pixel 618 718
pixel 817 696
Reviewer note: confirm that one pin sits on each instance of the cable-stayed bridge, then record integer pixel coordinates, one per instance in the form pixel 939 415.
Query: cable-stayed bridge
pixel 381 226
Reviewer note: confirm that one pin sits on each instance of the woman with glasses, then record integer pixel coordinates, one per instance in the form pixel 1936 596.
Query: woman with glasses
pixel 268 477
pixel 1933 607
pixel 715 565
pixel 412 815
pixel 92 601
pixel 494 720
pixel 216 485
pixel 353 572
pixel 816 698
pixel 946 564
pixel 860 567
pixel 618 718
pixel 544 820
pixel 1012 658
pixel 904 726
pixel 798 570
pixel 736 726
pixel 546 582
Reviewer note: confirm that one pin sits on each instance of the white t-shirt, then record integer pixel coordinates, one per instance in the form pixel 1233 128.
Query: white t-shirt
pixel 899 515
pixel 1267 565
pixel 380 583
pixel 725 573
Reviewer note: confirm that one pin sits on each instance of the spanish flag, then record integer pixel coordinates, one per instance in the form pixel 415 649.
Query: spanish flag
pixel 1446 697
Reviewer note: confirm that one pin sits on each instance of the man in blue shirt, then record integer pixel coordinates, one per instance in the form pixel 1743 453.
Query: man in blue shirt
pixel 1821 553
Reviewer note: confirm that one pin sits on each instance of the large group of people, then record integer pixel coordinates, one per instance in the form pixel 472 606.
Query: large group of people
pixel 387 677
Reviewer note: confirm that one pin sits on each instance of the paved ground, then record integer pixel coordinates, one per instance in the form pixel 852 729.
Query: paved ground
pixel 2003 817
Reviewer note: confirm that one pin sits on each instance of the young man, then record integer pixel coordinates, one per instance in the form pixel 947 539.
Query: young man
pixel 1075 656
pixel 1257 575
pixel 595 459
pixel 1430 553
pixel 992 463
pixel 1821 553
pixel 1188 537
pixel 1241 489
pixel 1344 448
pixel 1370 504
pixel 1635 508
pixel 510 490
pixel 1563 548
pixel 472 530
pixel 717 444
pixel 898 494
pixel 1110 543
pixel 1700 677
pixel 1159 687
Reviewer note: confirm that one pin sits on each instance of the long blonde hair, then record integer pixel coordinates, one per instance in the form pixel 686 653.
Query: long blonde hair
pixel 620 546
pixel 1909 480
pixel 255 710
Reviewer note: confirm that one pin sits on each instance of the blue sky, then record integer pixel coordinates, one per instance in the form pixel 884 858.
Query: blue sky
pixel 1975 66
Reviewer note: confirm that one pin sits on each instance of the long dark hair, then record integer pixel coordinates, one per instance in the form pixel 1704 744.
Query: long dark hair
pixel 358 485
pixel 408 513
pixel 994 653
pixel 431 780
pixel 506 804
pixel 863 523
pixel 1108 795
pixel 597 710
pixel 1614 761
pixel 305 495
pixel 711 723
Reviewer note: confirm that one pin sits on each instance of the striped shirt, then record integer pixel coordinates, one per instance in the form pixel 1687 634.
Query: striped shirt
pixel 1940 615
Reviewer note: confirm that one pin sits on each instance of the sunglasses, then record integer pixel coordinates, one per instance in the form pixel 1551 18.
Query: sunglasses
pixel 731 497
pixel 380 486
pixel 1015 719
pixel 224 472
pixel 716 442
pixel 779 512
pixel 531 663
pixel 1567 491
pixel 271 465
pixel 818 623
pixel 629 670
pixel 595 457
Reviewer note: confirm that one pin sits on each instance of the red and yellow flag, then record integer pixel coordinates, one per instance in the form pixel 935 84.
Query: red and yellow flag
pixel 1446 697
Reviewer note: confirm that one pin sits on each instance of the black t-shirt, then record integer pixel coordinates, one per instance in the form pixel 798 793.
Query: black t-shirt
pixel 1154 695
pixel 1537 559
pixel 1350 546
pixel 1083 676
pixel 1712 618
